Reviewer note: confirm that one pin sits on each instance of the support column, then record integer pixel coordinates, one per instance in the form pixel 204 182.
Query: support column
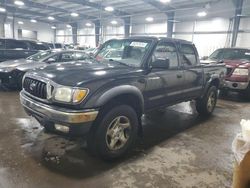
pixel 170 24
pixel 236 24
pixel 2 21
pixel 97 32
pixel 74 32
pixel 127 26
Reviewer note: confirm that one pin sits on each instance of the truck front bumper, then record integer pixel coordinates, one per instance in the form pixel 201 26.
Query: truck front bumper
pixel 235 85
pixel 60 119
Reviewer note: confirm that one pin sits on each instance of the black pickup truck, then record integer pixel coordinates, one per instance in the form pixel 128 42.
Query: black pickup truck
pixel 104 98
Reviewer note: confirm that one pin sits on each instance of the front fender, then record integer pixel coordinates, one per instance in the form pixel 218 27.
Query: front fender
pixel 102 98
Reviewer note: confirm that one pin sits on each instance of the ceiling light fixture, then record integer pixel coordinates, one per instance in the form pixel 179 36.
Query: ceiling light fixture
pixel 20 22
pixel 68 26
pixel 114 22
pixel 51 18
pixel 33 21
pixel 19 3
pixel 109 9
pixel 53 27
pixel 88 24
pixel 165 1
pixel 74 14
pixel 201 14
pixel 149 19
pixel 2 9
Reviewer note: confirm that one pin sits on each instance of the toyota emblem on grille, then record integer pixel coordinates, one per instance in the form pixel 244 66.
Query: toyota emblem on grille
pixel 32 86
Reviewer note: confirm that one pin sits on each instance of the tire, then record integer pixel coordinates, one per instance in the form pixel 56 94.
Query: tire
pixel 246 93
pixel 115 132
pixel 205 106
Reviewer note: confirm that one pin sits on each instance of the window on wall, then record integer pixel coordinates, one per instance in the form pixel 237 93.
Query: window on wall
pixel 188 55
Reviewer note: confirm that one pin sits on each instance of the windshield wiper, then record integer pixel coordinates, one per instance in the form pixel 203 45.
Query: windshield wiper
pixel 121 63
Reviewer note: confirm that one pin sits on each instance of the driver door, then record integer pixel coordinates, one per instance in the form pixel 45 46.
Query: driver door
pixel 164 86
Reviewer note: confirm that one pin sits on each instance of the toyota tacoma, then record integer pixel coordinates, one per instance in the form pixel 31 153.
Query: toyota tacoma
pixel 104 98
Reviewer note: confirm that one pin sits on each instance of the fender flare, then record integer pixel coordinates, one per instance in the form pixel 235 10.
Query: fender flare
pixel 120 90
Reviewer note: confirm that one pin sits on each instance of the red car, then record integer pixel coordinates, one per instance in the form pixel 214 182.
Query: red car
pixel 237 61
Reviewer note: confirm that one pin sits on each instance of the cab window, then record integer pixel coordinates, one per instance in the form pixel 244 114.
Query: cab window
pixel 188 55
pixel 166 50
pixel 81 56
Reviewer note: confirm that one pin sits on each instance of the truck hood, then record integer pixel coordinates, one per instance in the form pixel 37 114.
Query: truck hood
pixel 15 63
pixel 237 63
pixel 75 74
pixel 208 61
pixel 30 66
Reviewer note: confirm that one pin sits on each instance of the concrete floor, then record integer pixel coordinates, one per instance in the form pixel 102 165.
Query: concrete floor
pixel 177 150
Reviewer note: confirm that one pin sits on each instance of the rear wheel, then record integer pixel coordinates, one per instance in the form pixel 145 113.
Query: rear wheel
pixel 115 132
pixel 205 106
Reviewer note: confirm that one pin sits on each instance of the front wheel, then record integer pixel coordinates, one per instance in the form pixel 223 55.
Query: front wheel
pixel 115 133
pixel 205 106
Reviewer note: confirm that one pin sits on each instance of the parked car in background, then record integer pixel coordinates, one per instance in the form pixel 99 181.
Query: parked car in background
pixel 105 98
pixel 12 71
pixel 237 62
pixel 16 49
pixel 91 51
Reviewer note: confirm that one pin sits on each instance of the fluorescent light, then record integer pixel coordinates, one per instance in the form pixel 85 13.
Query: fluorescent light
pixel 88 24
pixel 33 21
pixel 53 27
pixel 2 9
pixel 149 19
pixel 51 18
pixel 19 3
pixel 201 14
pixel 74 14
pixel 68 26
pixel 20 22
pixel 109 9
pixel 165 1
pixel 114 22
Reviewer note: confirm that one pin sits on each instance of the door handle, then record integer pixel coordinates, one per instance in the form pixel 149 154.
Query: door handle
pixel 179 76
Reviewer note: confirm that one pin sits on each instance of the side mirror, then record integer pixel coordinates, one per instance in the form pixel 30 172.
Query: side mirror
pixel 160 64
pixel 220 61
pixel 51 60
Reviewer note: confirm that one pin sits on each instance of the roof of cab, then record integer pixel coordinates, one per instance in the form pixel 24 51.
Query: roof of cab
pixel 157 38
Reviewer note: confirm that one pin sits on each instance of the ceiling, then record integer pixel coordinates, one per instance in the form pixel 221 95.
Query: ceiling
pixel 92 10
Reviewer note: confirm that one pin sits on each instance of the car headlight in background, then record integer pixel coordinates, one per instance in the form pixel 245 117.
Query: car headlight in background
pixel 67 94
pixel 241 72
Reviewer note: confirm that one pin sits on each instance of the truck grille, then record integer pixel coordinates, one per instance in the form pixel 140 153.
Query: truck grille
pixel 35 87
pixel 229 71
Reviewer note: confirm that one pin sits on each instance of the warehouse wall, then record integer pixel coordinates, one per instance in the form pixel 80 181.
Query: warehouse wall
pixel 44 32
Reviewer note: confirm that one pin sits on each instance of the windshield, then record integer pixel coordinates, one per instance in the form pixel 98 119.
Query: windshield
pixel 125 51
pixel 231 54
pixel 40 55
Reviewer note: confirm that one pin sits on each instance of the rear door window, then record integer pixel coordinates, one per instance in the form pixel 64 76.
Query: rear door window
pixel 189 57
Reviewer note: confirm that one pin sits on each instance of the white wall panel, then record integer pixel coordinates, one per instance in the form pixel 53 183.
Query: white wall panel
pixel 243 40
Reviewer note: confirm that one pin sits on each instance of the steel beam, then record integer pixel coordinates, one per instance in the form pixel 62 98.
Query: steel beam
pixel 127 26
pixel 236 24
pixel 170 23
pixel 74 33
pixel 97 32
pixel 97 6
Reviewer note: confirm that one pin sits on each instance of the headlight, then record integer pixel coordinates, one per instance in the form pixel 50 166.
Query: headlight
pixel 68 95
pixel 241 72
pixel 63 94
